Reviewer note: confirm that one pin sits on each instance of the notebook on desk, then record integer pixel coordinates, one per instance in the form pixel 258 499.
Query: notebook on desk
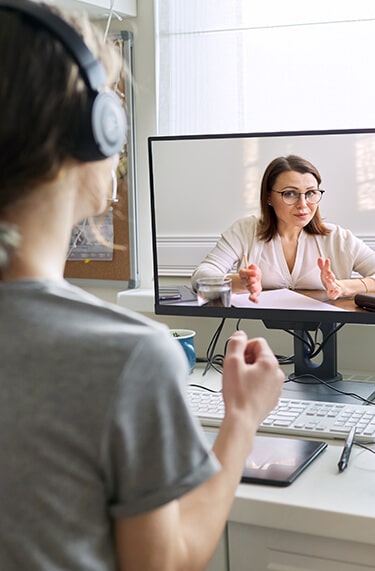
pixel 277 461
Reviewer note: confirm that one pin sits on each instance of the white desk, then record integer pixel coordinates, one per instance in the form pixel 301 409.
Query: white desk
pixel 324 521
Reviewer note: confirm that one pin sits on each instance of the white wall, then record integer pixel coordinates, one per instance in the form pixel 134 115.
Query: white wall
pixel 355 343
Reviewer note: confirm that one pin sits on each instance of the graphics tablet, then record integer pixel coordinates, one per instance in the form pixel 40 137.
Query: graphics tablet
pixel 277 461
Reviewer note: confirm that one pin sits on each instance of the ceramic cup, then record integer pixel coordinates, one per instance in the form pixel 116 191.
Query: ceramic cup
pixel 185 337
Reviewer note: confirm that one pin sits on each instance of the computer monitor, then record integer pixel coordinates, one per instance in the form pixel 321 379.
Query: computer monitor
pixel 200 184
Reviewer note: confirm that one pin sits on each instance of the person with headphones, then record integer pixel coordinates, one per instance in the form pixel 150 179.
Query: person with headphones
pixel 103 465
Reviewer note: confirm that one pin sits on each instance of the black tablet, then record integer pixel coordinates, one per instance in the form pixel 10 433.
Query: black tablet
pixel 277 461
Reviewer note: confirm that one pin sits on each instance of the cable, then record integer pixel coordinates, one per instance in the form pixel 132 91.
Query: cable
pixel 313 346
pixel 212 360
pixel 325 340
pixel 331 386
pixel 238 322
pixel 283 360
pixel 204 387
pixel 361 445
pixel 308 342
pixel 216 361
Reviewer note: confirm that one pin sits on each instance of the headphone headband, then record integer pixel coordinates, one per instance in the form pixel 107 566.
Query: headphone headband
pixel 103 129
pixel 91 69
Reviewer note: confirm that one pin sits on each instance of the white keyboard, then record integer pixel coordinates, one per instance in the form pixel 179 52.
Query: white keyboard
pixel 318 419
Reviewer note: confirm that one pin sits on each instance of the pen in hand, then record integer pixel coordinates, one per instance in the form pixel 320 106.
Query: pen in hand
pixel 344 458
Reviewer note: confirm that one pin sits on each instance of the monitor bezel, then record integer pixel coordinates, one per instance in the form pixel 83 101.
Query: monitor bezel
pixel 282 318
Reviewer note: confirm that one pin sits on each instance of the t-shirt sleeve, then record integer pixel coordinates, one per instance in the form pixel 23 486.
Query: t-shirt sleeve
pixel 155 451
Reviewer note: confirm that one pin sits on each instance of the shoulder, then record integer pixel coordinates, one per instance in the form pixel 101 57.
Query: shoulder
pixel 247 224
pixel 337 233
pixel 97 322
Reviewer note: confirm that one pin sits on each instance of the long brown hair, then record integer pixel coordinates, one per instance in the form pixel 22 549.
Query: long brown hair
pixel 267 227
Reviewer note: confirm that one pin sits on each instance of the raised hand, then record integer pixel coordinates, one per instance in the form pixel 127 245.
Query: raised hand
pixel 328 279
pixel 252 378
pixel 251 279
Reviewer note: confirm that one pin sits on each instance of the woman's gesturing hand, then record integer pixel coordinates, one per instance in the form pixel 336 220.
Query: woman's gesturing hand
pixel 328 279
pixel 251 279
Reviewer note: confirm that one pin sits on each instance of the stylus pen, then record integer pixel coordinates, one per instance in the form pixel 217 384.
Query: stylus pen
pixel 344 459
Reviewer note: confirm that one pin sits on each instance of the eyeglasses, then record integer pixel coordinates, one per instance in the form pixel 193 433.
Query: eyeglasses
pixel 292 196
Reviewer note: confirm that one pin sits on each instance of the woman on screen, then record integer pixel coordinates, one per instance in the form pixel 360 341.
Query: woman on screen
pixel 289 246
pixel 103 465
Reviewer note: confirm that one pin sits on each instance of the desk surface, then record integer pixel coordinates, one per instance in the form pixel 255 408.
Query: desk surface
pixel 321 501
pixel 346 303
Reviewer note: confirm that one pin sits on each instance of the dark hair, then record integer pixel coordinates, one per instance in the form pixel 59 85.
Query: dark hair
pixel 267 227
pixel 41 96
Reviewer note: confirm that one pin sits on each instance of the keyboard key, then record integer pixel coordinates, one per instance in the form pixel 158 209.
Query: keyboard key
pixel 294 416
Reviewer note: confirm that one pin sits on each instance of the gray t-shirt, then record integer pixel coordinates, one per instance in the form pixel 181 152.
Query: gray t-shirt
pixel 93 425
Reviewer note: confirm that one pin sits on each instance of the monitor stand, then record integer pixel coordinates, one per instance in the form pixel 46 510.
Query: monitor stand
pixel 322 382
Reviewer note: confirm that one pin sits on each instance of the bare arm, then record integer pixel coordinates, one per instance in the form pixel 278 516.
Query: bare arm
pixel 182 535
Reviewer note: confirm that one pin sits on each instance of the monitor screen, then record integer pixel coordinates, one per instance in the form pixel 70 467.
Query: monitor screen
pixel 200 185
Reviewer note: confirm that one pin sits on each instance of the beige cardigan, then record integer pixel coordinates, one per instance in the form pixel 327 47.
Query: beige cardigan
pixel 347 253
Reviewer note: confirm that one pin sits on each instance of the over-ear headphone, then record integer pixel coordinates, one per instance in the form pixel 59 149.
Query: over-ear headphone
pixel 103 129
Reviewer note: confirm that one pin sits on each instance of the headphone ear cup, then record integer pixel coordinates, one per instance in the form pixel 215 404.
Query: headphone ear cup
pixel 109 123
pixel 102 127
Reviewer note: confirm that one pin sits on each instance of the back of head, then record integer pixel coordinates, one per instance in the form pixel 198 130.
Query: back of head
pixel 43 96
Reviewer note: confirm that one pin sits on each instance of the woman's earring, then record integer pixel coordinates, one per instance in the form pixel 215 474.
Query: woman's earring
pixel 114 198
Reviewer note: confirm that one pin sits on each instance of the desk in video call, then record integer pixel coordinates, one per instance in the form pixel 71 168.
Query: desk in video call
pixel 183 295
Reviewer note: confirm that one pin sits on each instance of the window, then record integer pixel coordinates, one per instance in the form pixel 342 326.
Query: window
pixel 240 66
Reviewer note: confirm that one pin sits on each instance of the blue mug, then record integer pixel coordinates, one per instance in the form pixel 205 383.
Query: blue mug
pixel 185 337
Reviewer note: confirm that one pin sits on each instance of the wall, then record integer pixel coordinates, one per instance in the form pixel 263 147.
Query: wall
pixel 355 343
pixel 217 180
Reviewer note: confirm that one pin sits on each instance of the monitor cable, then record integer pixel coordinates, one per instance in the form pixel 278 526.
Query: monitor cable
pixel 313 346
pixel 300 380
pixel 214 361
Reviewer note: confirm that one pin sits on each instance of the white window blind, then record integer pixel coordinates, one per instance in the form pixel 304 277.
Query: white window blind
pixel 226 66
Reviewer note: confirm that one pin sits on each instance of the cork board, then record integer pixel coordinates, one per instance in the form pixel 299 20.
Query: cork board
pixel 107 249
